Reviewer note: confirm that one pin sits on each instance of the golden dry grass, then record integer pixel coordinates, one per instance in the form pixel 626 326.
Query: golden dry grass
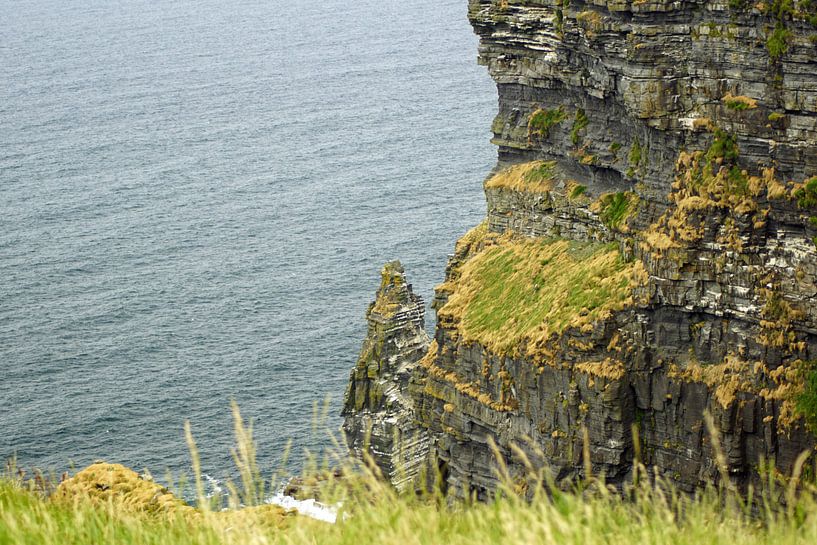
pixel 706 182
pixel 727 378
pixel 533 177
pixel 608 369
pixel 739 102
pixel 114 484
pixel 733 375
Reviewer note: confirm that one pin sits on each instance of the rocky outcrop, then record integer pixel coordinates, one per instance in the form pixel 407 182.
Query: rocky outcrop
pixel 379 415
pixel 649 250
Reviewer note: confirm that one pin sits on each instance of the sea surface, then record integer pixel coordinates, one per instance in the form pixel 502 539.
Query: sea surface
pixel 196 198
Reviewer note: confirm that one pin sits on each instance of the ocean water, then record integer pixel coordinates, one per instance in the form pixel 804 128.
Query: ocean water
pixel 196 198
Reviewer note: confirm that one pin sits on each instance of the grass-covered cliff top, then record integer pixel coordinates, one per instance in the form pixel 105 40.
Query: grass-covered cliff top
pixel 525 290
pixel 110 504
pixel 379 515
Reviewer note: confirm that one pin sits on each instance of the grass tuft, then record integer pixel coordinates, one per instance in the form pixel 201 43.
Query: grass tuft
pixel 533 177
pixel 542 120
pixel 579 124
pixel 777 42
pixel 739 102
pixel 578 191
pixel 616 208
pixel 807 400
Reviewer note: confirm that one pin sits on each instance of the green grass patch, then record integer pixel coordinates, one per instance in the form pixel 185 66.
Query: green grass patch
pixel 533 177
pixel 578 191
pixel 807 400
pixel 635 158
pixel 724 146
pixel 739 102
pixel 616 208
pixel 807 195
pixel 720 168
pixel 26 517
pixel 541 121
pixel 530 289
pixel 543 171
pixel 777 42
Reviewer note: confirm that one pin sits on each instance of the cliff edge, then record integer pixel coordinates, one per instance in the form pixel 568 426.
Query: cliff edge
pixel 648 254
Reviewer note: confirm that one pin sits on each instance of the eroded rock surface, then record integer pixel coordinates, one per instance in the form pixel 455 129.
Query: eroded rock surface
pixel 679 138
pixel 379 415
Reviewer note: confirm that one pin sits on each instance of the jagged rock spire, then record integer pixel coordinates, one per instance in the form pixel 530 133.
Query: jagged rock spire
pixel 379 415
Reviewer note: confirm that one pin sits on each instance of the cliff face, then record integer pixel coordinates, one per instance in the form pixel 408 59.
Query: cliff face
pixel 649 248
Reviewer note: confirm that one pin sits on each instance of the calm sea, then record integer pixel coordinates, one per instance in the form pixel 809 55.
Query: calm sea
pixel 196 197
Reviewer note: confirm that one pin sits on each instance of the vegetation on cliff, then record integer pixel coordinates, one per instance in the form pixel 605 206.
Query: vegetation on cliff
pixel 533 177
pixel 541 121
pixel 525 290
pixel 528 509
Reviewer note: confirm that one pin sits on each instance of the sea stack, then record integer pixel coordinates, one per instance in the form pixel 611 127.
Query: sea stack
pixel 379 414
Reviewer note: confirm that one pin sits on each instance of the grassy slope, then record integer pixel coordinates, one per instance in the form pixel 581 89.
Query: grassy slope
pixel 533 177
pixel 109 504
pixel 388 519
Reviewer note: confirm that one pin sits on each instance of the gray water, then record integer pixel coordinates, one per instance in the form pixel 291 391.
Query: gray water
pixel 196 198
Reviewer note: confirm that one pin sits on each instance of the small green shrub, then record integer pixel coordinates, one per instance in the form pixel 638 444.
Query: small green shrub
pixel 807 195
pixel 738 181
pixel 776 116
pixel 636 154
pixel 543 172
pixel 615 208
pixel 724 146
pixel 777 43
pixel 807 400
pixel 542 120
pixel 578 191
pixel 579 123
pixel 739 103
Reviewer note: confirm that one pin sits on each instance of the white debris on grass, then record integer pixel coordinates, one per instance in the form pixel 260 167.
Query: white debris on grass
pixel 308 508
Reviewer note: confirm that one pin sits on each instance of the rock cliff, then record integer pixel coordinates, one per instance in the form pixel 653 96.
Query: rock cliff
pixel 649 249
pixel 379 415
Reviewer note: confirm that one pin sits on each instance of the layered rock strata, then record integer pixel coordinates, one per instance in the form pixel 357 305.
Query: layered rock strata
pixel 379 415
pixel 648 254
